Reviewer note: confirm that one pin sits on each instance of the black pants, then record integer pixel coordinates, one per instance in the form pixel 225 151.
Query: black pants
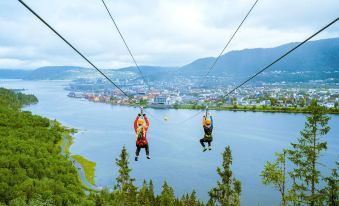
pixel 203 140
pixel 139 148
pixel 208 139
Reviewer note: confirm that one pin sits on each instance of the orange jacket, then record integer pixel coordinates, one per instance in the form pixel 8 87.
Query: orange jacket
pixel 141 137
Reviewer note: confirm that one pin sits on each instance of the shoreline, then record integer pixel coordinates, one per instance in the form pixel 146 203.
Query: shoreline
pixel 85 167
pixel 291 110
pixel 259 109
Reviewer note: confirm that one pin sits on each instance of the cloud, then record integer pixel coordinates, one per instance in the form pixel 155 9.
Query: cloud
pixel 11 63
pixel 167 33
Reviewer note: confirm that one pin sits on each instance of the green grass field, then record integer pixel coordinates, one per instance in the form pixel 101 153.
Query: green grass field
pixel 88 166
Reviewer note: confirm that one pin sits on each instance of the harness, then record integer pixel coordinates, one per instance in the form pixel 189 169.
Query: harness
pixel 208 133
pixel 208 130
pixel 141 137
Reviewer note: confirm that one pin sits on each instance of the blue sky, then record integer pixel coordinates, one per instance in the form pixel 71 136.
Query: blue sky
pixel 163 32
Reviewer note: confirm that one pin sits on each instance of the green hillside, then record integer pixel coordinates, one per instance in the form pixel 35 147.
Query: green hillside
pixel 32 170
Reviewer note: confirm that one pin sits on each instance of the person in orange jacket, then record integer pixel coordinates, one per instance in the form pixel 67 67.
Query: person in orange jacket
pixel 141 130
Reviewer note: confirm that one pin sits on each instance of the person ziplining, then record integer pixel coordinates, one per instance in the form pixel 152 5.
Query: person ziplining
pixel 141 125
pixel 212 65
pixel 207 124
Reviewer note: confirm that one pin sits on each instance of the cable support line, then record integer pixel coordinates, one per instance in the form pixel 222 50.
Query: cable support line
pixel 126 45
pixel 223 50
pixel 229 41
pixel 274 62
pixel 69 44
pixel 283 56
pixel 191 117
pixel 152 115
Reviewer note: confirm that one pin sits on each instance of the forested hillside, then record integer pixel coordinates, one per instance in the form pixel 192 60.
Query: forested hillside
pixel 15 101
pixel 31 169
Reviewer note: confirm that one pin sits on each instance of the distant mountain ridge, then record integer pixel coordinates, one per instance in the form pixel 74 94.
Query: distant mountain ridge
pixel 314 60
pixel 57 73
pixel 312 56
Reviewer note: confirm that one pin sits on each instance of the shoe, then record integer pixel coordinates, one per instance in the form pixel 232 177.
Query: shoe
pixel 209 148
pixel 136 158
pixel 204 149
pixel 148 157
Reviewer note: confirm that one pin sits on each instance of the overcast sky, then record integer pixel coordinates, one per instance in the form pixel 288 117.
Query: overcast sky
pixel 163 32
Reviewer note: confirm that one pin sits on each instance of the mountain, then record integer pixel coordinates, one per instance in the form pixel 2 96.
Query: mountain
pixel 315 60
pixel 321 56
pixel 151 73
pixel 74 72
pixel 57 73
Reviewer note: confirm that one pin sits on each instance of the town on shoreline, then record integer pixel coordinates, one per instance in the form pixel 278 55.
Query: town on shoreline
pixel 264 98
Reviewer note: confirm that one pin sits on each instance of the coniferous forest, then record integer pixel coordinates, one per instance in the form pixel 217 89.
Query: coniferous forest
pixel 33 172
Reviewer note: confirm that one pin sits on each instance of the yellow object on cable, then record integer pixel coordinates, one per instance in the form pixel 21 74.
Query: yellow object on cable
pixel 208 122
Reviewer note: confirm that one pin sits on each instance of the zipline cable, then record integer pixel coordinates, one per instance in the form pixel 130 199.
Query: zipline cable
pixel 271 64
pixel 127 47
pixel 240 85
pixel 191 117
pixel 129 51
pixel 76 50
pixel 69 44
pixel 229 41
pixel 283 56
pixel 222 51
pixel 152 115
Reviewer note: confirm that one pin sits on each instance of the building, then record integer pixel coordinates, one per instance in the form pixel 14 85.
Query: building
pixel 160 102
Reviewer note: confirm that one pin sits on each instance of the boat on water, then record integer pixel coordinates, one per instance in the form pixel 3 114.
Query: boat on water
pixel 76 95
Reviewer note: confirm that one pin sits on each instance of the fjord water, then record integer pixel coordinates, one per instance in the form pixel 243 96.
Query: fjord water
pixel 175 150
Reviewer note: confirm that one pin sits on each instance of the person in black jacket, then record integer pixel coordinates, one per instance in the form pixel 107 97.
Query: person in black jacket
pixel 207 124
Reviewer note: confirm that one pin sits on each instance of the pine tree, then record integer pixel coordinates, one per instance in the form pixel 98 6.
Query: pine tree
pixel 190 200
pixel 167 197
pixel 227 192
pixel 331 191
pixel 151 195
pixel 126 191
pixel 193 199
pixel 275 174
pixel 177 202
pixel 184 200
pixel 102 198
pixel 143 195
pixel 210 203
pixel 305 154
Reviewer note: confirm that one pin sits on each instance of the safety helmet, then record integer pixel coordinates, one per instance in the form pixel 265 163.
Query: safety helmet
pixel 140 121
pixel 208 121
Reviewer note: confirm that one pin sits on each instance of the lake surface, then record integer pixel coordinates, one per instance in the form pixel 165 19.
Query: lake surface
pixel 175 150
